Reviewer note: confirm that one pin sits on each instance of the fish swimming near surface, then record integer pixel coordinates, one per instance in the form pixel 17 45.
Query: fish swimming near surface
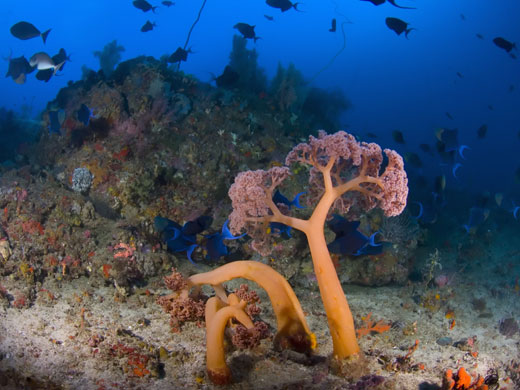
pixel 26 30
pixel 43 61
pixel 167 3
pixel 333 25
pixel 18 69
pixel 398 136
pixel 143 5
pixel 148 26
pixel 482 130
pixel 247 31
pixel 504 44
pixel 179 55
pixel 349 240
pixel 379 2
pixel 282 5
pixel 228 78
pixel 269 17
pixel 477 216
pixel 398 26
pixel 61 57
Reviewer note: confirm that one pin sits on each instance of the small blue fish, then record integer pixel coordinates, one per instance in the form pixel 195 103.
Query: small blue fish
pixel 449 137
pixel 454 169
pixel 349 240
pixel 280 198
pixel 84 114
pixel 181 238
pixel 214 246
pixel 477 216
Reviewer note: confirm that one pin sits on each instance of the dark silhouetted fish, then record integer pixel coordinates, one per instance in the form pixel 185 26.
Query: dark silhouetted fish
pixel 18 68
pixel 43 61
pixel 282 5
pixel 84 114
pixel 460 75
pixel 379 2
pixel 425 148
pixel 482 130
pixel 477 216
pixel 246 30
pixel 179 55
pixel 25 30
pixel 60 58
pixel 228 78
pixel 148 26
pixel 398 137
pixel 462 16
pixel 450 141
pixel 167 3
pixel 214 247
pixel 44 75
pixel 349 240
pixel 143 5
pixel 413 159
pixel 333 25
pixel 504 44
pixel 371 135
pixel 269 17
pixel 448 115
pixel 490 107
pixel 398 26
pixel 479 36
pixel 376 2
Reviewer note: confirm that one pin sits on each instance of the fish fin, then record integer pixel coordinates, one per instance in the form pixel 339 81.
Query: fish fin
pixel 45 34
pixel 226 233
pixel 454 169
pixel 407 31
pixel 154 8
pixel 399 6
pixel 461 150
pixel 421 210
pixel 372 240
pixel 296 200
pixel 295 6
pixel 515 211
pixel 58 67
pixel 189 252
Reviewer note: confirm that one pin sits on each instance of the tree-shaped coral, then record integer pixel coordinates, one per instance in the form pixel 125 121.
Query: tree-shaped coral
pixel 344 176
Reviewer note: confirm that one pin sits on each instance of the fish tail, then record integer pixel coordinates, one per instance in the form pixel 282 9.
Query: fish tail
pixel 58 67
pixel 407 31
pixel 154 8
pixel 45 34
pixel 295 6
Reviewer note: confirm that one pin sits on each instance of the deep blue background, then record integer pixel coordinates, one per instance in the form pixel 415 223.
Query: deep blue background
pixel 392 82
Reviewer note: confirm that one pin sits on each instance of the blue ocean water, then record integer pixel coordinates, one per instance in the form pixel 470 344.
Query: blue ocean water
pixel 392 82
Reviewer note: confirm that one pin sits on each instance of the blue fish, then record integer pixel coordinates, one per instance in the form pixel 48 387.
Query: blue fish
pixel 214 246
pixel 477 216
pixel 280 198
pixel 84 114
pixel 449 137
pixel 280 228
pixel 181 238
pixel 349 240
pixel 54 123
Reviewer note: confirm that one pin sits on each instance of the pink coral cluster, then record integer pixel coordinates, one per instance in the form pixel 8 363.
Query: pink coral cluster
pixel 354 175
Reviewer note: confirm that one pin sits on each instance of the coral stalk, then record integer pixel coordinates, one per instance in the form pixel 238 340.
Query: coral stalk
pixel 217 317
pixel 292 329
